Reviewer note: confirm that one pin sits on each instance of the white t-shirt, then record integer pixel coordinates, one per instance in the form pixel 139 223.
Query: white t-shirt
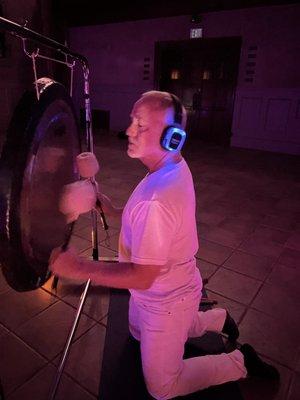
pixel 159 228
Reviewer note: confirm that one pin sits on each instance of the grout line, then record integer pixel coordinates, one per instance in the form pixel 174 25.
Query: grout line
pixel 226 297
pixel 27 345
pixel 28 380
pixel 72 379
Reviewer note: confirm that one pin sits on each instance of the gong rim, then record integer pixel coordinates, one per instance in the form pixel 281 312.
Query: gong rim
pixel 22 272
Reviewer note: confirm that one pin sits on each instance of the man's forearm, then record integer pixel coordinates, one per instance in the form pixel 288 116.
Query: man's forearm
pixel 115 275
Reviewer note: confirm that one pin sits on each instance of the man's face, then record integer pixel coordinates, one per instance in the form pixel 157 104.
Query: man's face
pixel 145 130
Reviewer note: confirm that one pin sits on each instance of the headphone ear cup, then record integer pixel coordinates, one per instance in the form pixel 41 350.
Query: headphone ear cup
pixel 172 138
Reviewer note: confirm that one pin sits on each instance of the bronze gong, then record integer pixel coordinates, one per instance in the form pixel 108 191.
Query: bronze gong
pixel 38 159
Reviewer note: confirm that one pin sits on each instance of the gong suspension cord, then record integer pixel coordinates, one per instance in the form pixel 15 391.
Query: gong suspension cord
pixel 33 57
pixel 71 66
pixel 36 54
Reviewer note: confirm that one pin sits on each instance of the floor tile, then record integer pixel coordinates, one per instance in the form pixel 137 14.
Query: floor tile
pixel 102 234
pixel 270 337
pixel 234 286
pixel 285 221
pixel 40 387
pixel 111 241
pixel 238 225
pixel 81 223
pixel 113 190
pixel 217 207
pixel 18 362
pixel 25 306
pixel 288 278
pixel 267 234
pixel 206 197
pixel 256 246
pixel 246 215
pixel 290 258
pixel 85 358
pixel 203 229
pixel 213 252
pixel 248 264
pixel 209 218
pixel 280 302
pixel 103 252
pixel 206 269
pixel 96 304
pixel 79 243
pixel 115 223
pixel 224 237
pixel 293 241
pixel 57 319
pixel 63 288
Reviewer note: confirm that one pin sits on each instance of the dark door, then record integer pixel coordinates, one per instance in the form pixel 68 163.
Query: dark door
pixel 203 73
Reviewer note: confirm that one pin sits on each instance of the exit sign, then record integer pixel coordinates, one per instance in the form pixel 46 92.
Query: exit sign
pixel 195 33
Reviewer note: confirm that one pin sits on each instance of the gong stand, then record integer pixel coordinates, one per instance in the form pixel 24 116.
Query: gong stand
pixel 22 32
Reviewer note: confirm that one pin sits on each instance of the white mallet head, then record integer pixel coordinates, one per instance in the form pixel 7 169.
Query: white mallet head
pixel 87 164
pixel 77 198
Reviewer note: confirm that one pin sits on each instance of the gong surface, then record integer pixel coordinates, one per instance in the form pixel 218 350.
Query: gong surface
pixel 38 159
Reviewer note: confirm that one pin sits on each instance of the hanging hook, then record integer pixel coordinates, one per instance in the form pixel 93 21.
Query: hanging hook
pixel 25 23
pixel 33 55
pixel 29 54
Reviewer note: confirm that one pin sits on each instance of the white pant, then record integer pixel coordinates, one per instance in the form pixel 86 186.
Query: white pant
pixel 163 333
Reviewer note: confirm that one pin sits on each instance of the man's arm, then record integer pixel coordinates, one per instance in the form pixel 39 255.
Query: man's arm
pixel 116 275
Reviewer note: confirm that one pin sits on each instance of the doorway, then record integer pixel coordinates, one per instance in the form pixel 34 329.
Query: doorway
pixel 203 74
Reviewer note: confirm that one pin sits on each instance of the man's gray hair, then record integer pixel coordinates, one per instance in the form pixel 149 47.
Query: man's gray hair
pixel 162 101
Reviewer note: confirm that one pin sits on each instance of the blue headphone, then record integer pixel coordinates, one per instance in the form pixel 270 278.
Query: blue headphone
pixel 173 136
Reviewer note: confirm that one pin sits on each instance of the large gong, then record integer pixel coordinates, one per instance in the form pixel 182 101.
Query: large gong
pixel 37 160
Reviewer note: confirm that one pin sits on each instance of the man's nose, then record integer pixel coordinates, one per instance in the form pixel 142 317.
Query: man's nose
pixel 131 131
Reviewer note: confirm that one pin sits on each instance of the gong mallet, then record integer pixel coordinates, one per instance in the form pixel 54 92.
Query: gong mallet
pixel 78 198
pixel 88 167
pixel 86 194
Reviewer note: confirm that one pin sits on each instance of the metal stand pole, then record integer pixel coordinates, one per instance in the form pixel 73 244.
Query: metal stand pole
pixel 69 341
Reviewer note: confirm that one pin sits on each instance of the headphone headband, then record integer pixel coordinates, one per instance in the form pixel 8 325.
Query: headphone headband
pixel 177 109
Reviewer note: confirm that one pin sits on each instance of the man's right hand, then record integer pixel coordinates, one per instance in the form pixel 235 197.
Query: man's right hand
pixel 65 264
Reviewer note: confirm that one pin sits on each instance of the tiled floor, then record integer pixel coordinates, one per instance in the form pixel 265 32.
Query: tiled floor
pixel 248 215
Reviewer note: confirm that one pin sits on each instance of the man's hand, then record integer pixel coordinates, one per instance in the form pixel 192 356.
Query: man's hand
pixel 65 264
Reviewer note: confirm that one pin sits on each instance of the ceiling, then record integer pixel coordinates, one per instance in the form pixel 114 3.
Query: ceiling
pixel 79 12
